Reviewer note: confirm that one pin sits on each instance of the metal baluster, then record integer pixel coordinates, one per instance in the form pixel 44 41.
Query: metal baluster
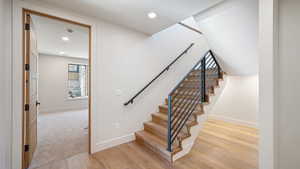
pixel 169 123
pixel 203 86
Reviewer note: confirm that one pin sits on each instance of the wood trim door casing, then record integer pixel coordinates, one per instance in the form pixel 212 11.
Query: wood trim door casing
pixel 26 12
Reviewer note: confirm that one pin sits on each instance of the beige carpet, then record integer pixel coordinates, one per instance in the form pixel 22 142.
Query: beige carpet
pixel 60 136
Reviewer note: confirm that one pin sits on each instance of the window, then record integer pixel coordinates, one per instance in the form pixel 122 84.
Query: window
pixel 77 80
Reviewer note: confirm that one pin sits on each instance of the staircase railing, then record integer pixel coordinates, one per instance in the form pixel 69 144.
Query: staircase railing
pixel 191 91
pixel 157 76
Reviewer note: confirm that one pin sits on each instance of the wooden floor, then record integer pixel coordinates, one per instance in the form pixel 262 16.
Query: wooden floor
pixel 220 145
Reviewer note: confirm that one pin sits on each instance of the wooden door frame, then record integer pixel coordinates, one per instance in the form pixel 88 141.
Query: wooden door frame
pixel 32 12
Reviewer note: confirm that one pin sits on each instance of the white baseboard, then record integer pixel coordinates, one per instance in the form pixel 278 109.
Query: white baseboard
pixel 114 142
pixel 232 120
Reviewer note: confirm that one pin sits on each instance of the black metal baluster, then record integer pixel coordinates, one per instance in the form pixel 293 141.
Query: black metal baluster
pixel 181 109
pixel 169 123
pixel 203 79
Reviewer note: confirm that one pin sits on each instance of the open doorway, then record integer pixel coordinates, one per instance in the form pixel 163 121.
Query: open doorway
pixel 56 85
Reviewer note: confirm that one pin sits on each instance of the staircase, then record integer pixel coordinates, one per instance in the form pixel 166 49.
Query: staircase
pixel 174 128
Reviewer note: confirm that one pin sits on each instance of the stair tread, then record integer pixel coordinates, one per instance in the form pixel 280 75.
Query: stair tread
pixel 161 116
pixel 156 126
pixel 164 117
pixel 161 130
pixel 155 133
pixel 166 106
pixel 156 142
pixel 198 110
pixel 182 100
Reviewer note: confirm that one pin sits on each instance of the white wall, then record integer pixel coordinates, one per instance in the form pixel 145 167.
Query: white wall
pixel 126 67
pixel 239 101
pixel 53 84
pixel 123 62
pixel 232 31
pixel 268 84
pixel 288 84
pixel 5 85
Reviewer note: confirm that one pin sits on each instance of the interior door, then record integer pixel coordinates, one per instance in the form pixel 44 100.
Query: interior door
pixel 30 91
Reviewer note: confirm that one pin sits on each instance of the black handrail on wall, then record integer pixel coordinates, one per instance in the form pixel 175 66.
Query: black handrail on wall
pixel 157 76
pixel 180 109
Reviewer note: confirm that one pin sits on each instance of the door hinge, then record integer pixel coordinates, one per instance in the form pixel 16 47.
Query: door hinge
pixel 27 67
pixel 26 148
pixel 27 26
pixel 26 107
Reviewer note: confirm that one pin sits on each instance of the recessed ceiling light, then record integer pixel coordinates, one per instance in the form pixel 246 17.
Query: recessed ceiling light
pixel 65 38
pixel 152 15
pixel 61 53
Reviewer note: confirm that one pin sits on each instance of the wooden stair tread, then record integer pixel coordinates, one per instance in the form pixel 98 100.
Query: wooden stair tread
pixel 162 131
pixel 164 109
pixel 156 144
pixel 191 95
pixel 164 118
pixel 156 129
pixel 155 133
pixel 183 100
pixel 161 116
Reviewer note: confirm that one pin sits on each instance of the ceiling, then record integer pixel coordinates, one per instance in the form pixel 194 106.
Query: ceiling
pixel 133 13
pixel 49 36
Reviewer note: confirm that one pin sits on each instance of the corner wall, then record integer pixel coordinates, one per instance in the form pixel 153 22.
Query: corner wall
pixel 268 101
pixel 5 85
pixel 238 102
pixel 53 84
pixel 288 91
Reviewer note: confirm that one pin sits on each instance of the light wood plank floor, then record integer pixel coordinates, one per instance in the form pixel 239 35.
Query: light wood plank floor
pixel 220 145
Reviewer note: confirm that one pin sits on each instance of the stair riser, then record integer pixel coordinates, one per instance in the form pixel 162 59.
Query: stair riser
pixel 154 135
pixel 162 135
pixel 195 86
pixel 166 102
pixel 207 72
pixel 165 110
pixel 191 93
pixel 184 98
pixel 159 121
pixel 197 82
pixel 198 78
pixel 143 142
pixel 164 122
